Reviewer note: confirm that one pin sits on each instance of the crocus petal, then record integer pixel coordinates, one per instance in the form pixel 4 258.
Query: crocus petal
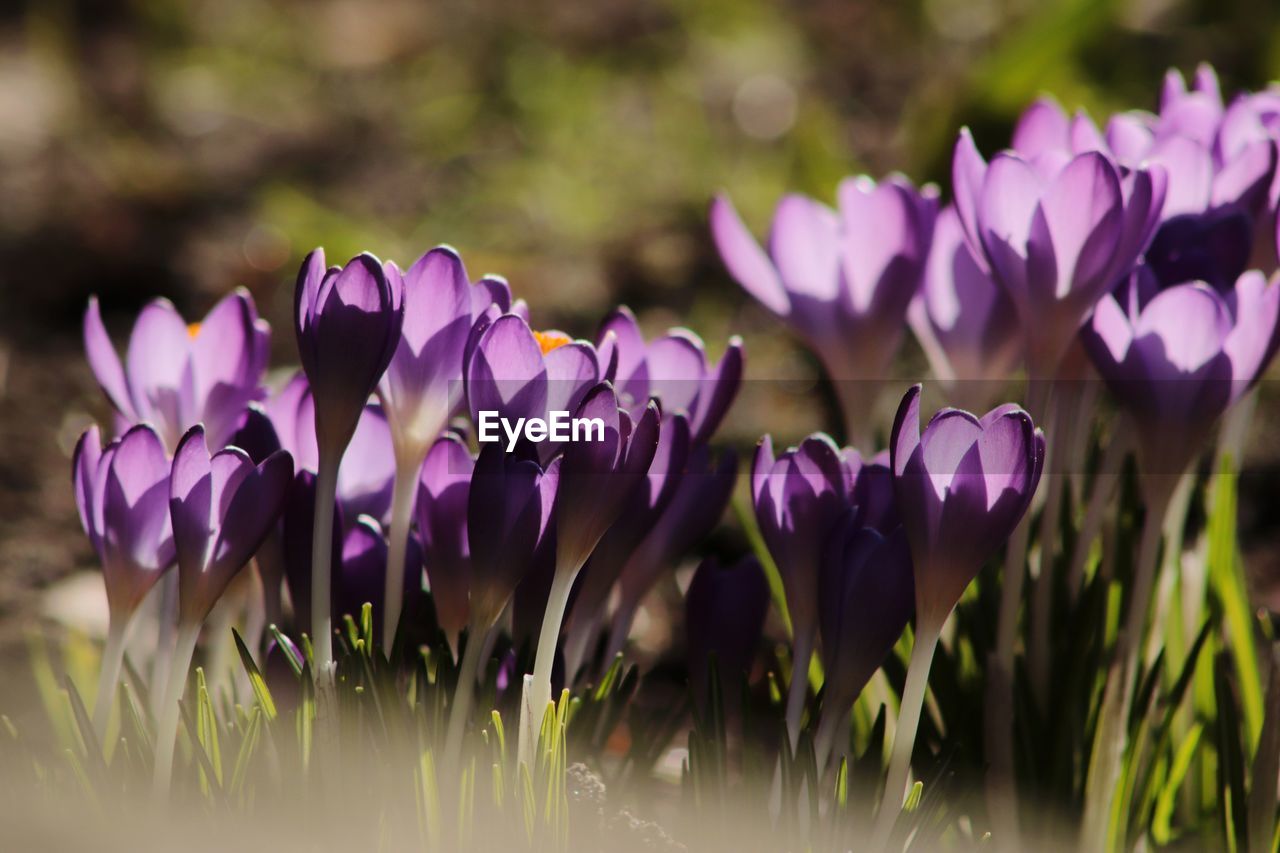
pixel 105 363
pixel 746 261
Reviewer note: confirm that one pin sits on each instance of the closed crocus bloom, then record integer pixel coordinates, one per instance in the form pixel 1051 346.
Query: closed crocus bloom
pixel 176 375
pixel 444 490
pixel 799 498
pixel 519 373
pixel 962 484
pixel 361 577
pixel 724 611
pixel 1178 358
pixel 871 489
pixel 674 370
pixel 222 507
pixel 842 280
pixel 965 322
pixel 1056 233
pixel 122 494
pixel 866 598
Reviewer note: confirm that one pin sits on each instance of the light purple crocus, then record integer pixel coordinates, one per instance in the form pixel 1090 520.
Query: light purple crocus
pixel 348 322
pixel 176 375
pixel 122 494
pixel 1178 358
pixel 519 373
pixel 841 279
pixel 672 369
pixel 1057 232
pixel 965 322
pixel 222 507
pixel 799 497
pixel 422 387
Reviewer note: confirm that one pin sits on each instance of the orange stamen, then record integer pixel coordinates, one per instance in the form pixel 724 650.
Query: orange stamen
pixel 551 340
pixel 193 329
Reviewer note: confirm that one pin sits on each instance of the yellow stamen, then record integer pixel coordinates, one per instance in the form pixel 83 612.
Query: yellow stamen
pixel 551 340
pixel 193 329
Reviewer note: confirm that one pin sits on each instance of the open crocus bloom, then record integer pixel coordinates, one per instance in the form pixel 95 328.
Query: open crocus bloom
pixel 1178 358
pixel 1056 232
pixel 177 375
pixel 963 485
pixel 842 280
pixel 965 322
pixel 672 369
pixel 223 507
pixel 122 493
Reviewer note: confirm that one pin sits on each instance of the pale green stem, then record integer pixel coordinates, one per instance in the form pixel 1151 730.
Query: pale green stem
pixel 537 688
pixel 829 726
pixel 167 731
pixel 1109 742
pixel 1104 487
pixel 468 673
pixel 798 690
pixel 904 739
pixel 109 676
pixel 166 604
pixel 1038 650
pixel 406 486
pixel 321 567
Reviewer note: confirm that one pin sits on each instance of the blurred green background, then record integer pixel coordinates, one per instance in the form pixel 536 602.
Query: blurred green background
pixel 183 148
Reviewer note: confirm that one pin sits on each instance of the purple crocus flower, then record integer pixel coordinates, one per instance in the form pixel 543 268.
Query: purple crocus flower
pixel 842 280
pixel 519 373
pixel 799 499
pixel 724 611
pixel 444 490
pixel 176 375
pixel 871 489
pixel 672 369
pixel 1178 358
pixel 866 598
pixel 361 577
pixel 965 322
pixel 1056 232
pixel 223 507
pixel 962 485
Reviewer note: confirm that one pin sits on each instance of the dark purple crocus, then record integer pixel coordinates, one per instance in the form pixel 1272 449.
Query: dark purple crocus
pixel 724 611
pixel 362 573
pixel 176 375
pixel 348 322
pixel 222 507
pixel 672 369
pixel 1178 358
pixel 598 475
pixel 965 322
pixel 963 484
pixel 1057 232
pixel 871 489
pixel 518 373
pixel 422 387
pixel 122 494
pixel 444 490
pixel 842 280
pixel 866 599
pixel 799 499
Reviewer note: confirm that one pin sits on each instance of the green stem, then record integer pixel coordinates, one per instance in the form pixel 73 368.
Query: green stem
pixel 468 673
pixel 167 730
pixel 537 688
pixel 406 484
pixel 798 690
pixel 109 677
pixel 904 738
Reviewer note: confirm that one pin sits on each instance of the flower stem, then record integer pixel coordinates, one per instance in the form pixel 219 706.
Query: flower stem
pixel 321 565
pixel 798 690
pixel 1104 487
pixel 537 690
pixel 167 730
pixel 1038 650
pixel 468 673
pixel 904 738
pixel 109 677
pixel 405 490
pixel 1109 742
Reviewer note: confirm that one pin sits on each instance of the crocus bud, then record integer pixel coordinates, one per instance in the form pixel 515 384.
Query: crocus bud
pixel 122 493
pixel 1177 359
pixel 963 485
pixel 360 576
pixel 348 321
pixel 1056 233
pixel 222 508
pixel 176 375
pixel 444 491
pixel 724 612
pixel 842 280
